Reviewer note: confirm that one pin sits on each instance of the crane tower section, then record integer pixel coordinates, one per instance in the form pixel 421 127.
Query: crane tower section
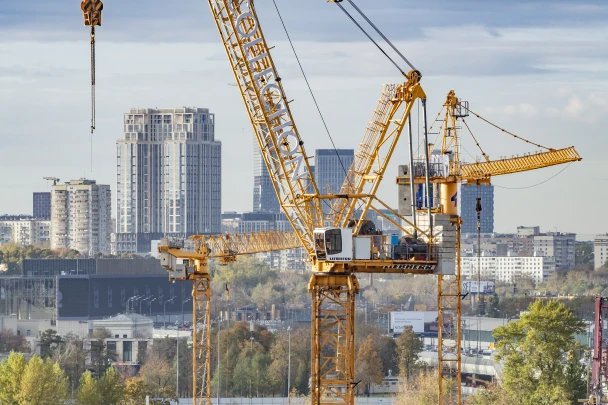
pixel 275 130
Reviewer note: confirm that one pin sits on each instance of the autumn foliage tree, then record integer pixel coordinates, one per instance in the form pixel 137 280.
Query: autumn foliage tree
pixel 368 365
pixel 409 345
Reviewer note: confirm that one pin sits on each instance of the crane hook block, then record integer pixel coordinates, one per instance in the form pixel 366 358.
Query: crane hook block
pixel 92 12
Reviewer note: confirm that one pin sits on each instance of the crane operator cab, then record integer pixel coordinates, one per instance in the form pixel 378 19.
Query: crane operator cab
pixel 334 244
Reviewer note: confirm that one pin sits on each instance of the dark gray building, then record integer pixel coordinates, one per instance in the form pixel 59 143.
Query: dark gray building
pixel 41 205
pixel 467 203
pixel 331 166
pixel 264 197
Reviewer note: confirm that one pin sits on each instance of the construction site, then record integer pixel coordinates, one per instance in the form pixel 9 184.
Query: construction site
pixel 345 247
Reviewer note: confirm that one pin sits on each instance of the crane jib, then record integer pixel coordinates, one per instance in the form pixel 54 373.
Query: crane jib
pixel 265 81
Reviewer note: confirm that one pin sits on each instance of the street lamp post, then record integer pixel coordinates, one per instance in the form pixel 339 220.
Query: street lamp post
pixel 289 365
pixel 150 307
pixel 183 302
pixel 219 373
pixel 145 299
pixel 177 356
pixel 165 311
pixel 251 351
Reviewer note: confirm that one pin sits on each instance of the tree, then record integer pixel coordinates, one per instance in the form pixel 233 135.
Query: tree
pixel 533 348
pixel 386 347
pixel 43 383
pixel 159 375
pixel 493 307
pixel 423 389
pixel 136 391
pixel 11 373
pixel 110 387
pixel 583 253
pixel 409 345
pixel 101 356
pixel 368 365
pixel 49 339
pixel 71 357
pixel 12 342
pixel 493 395
pixel 576 379
pixel 88 393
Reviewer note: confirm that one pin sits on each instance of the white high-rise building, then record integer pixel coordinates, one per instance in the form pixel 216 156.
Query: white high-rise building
pixel 81 216
pixel 168 177
pixel 25 231
pixel 600 250
pixel 507 268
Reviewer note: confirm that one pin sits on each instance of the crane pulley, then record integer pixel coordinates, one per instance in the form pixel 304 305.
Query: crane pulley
pixel 91 10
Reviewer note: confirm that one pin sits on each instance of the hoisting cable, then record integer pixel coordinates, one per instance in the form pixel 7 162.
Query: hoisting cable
pixel 312 94
pixel 92 90
pixel 381 34
pixel 537 184
pixel 369 37
pixel 475 139
pixel 504 130
pixel 92 78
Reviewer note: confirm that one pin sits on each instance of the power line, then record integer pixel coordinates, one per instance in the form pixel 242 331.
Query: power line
pixel 312 95
pixel 537 184
pixel 369 37
pixel 381 34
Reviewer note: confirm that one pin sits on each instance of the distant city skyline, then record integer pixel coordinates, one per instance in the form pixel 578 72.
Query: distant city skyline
pixel 516 70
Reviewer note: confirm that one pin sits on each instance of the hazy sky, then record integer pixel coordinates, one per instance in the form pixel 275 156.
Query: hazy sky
pixel 537 68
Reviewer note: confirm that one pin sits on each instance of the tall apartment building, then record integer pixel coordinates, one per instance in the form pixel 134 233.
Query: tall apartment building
pixel 600 250
pixel 168 177
pixel 467 203
pixel 331 166
pixel 81 216
pixel 41 205
pixel 558 245
pixel 507 269
pixel 264 197
pixel 24 230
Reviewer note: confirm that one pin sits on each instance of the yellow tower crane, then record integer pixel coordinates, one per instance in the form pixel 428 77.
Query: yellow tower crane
pixel 350 244
pixel 448 172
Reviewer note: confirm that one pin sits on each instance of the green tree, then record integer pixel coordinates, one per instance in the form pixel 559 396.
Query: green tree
pixel 49 339
pixel 386 347
pixel 368 365
pixel 493 307
pixel 110 387
pixel 43 383
pixel 533 348
pixel 583 253
pixel 409 345
pixel 11 373
pixel 576 375
pixel 88 393
pixel 101 357
pixel 279 356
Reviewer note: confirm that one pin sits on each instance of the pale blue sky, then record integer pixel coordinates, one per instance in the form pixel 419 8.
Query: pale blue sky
pixel 537 68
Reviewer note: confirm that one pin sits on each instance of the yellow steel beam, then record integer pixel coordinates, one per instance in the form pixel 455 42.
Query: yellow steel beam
pixel 226 247
pixel 481 170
